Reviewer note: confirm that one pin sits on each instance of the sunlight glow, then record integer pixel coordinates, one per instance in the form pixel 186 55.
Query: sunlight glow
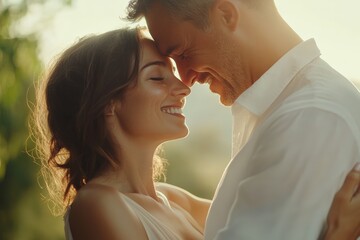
pixel 335 25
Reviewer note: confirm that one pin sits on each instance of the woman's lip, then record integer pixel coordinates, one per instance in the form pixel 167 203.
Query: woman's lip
pixel 174 106
pixel 177 104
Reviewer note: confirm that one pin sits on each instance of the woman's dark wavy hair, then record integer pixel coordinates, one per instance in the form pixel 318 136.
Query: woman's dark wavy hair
pixel 71 100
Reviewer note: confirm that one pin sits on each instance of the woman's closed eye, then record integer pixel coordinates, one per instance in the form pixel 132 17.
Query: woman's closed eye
pixel 157 78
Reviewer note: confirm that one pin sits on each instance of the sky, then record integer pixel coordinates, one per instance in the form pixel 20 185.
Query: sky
pixel 335 25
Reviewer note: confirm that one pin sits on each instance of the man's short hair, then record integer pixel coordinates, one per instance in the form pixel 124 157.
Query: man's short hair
pixel 196 11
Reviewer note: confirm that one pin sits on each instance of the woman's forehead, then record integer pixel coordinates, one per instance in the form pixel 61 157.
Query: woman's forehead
pixel 149 51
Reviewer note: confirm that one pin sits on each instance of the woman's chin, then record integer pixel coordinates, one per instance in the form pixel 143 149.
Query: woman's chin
pixel 180 134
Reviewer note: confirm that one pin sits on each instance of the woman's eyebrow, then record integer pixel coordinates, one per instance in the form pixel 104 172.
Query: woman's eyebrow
pixel 157 62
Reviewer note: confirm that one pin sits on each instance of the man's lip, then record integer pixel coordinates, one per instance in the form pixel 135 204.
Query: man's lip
pixel 213 89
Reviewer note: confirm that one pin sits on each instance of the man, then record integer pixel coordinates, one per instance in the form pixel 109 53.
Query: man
pixel 296 120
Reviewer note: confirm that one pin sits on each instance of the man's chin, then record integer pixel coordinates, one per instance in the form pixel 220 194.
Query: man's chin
pixel 226 100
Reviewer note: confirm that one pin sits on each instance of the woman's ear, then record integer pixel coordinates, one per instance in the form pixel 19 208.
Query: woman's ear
pixel 228 13
pixel 110 108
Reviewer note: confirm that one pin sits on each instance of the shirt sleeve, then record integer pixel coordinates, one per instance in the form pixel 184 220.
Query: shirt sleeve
pixel 299 162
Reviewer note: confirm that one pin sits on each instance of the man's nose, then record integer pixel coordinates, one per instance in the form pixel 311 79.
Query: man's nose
pixel 187 76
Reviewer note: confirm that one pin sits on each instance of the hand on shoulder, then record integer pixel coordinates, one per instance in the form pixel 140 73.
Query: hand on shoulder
pixel 344 217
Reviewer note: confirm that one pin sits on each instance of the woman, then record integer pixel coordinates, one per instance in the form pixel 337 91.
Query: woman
pixel 108 103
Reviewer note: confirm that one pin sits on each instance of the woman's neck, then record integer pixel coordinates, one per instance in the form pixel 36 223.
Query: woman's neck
pixel 135 173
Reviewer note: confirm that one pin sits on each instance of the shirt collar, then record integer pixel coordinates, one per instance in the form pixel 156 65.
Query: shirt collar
pixel 258 98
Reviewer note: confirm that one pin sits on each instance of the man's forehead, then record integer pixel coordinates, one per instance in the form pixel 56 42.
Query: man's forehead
pixel 166 38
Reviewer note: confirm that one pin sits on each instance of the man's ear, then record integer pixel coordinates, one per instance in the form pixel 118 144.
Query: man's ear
pixel 228 13
pixel 110 108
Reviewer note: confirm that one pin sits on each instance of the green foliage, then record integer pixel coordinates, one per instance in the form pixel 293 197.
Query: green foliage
pixel 19 66
pixel 22 213
pixel 196 163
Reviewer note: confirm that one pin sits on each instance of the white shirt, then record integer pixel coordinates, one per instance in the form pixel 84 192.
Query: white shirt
pixel 296 134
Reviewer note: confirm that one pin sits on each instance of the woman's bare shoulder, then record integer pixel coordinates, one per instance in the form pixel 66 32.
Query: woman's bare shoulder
pixel 100 212
pixel 94 197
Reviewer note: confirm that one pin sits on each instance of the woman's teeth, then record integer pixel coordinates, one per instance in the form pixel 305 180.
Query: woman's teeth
pixel 172 110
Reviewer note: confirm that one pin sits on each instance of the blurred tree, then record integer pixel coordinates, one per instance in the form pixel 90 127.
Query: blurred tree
pixel 21 212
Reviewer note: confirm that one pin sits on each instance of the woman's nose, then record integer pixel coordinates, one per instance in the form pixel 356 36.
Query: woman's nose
pixel 180 88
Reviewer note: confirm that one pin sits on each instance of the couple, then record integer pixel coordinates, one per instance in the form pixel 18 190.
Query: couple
pixel 111 100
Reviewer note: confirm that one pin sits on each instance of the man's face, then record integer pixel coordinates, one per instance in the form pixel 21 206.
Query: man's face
pixel 204 56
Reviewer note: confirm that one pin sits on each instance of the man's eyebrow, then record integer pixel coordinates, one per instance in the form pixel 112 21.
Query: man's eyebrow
pixel 157 62
pixel 170 50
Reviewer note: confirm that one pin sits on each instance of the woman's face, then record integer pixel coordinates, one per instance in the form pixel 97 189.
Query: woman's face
pixel 152 109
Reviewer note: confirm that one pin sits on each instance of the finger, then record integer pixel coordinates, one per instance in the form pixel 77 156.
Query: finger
pixel 357 188
pixel 351 183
